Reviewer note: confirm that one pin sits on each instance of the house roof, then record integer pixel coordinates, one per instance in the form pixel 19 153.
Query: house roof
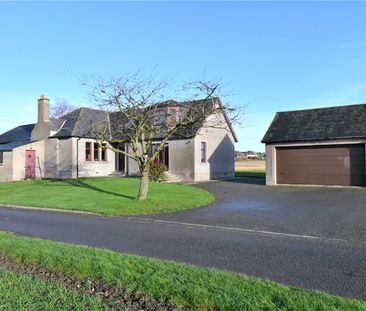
pixel 12 145
pixel 318 124
pixel 75 123
pixel 116 118
pixel 19 133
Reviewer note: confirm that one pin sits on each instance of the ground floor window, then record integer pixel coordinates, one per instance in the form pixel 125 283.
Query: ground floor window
pixel 1 158
pixel 163 156
pixel 203 152
pixel 88 152
pixel 104 152
pixel 96 151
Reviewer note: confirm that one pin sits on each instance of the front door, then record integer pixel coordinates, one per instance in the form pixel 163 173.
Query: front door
pixel 120 162
pixel 30 164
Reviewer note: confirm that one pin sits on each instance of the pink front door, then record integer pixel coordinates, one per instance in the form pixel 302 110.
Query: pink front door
pixel 30 164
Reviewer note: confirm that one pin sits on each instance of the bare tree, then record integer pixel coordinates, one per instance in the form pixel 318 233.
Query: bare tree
pixel 142 115
pixel 61 108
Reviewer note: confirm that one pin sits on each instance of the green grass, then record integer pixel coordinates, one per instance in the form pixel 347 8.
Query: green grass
pixel 196 288
pixel 247 173
pixel 21 292
pixel 106 196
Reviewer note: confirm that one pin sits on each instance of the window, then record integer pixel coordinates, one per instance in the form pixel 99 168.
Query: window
pixel 173 115
pixel 1 158
pixel 104 152
pixel 88 155
pixel 163 156
pixel 96 152
pixel 203 152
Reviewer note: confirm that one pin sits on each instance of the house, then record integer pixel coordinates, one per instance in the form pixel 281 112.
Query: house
pixel 60 148
pixel 249 155
pixel 252 155
pixel 239 155
pixel 323 146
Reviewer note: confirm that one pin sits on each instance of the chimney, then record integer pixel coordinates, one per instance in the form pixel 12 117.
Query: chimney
pixel 43 108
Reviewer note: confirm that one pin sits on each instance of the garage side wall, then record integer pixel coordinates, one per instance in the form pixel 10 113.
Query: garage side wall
pixel 270 164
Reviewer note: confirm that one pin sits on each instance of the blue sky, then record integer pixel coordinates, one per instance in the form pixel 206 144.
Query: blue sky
pixel 273 56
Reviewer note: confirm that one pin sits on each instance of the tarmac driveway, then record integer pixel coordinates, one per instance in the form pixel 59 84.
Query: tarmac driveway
pixel 335 213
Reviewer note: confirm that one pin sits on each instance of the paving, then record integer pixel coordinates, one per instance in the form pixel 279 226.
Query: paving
pixel 329 212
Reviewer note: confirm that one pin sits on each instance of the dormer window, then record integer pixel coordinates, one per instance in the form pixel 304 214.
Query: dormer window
pixel 172 115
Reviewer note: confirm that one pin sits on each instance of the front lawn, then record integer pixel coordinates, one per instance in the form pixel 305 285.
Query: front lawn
pixel 180 284
pixel 106 196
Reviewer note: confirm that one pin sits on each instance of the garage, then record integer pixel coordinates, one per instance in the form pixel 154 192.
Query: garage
pixel 321 165
pixel 322 146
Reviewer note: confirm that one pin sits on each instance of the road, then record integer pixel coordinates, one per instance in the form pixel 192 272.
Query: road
pixel 333 266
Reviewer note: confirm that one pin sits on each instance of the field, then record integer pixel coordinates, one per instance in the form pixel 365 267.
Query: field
pixel 250 165
pixel 250 168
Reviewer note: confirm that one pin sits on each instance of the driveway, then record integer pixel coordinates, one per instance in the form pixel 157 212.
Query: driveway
pixel 334 213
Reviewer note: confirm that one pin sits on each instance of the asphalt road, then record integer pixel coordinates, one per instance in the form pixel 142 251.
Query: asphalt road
pixel 323 264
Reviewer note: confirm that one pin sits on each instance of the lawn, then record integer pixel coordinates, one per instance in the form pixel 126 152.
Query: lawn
pixel 106 196
pixel 250 173
pixel 183 285
pixel 21 292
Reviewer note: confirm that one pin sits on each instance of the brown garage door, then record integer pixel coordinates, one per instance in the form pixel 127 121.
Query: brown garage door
pixel 325 165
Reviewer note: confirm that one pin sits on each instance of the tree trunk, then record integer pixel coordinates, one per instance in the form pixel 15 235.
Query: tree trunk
pixel 144 185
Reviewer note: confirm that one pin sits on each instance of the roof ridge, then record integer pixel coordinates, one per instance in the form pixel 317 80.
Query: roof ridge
pixel 323 108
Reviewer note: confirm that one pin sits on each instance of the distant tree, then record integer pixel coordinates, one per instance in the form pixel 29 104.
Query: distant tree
pixel 61 108
pixel 144 110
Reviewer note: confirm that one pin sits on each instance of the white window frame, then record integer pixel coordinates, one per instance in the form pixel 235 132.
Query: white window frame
pixel 205 152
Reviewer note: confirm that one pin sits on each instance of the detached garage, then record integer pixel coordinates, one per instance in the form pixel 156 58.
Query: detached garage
pixel 317 147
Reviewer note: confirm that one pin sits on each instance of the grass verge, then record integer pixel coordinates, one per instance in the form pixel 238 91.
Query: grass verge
pixel 106 196
pixel 21 292
pixel 183 285
pixel 247 173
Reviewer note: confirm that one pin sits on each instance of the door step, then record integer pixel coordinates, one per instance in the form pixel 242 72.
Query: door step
pixel 171 178
pixel 118 174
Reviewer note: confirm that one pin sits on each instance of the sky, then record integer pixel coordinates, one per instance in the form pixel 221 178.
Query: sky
pixel 271 56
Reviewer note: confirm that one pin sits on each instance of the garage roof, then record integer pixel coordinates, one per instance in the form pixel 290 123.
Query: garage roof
pixel 318 124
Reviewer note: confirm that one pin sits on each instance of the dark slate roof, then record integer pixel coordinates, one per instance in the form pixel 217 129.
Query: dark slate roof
pixel 118 122
pixel 75 123
pixel 318 124
pixel 118 118
pixel 19 133
pixel 56 124
pixel 12 145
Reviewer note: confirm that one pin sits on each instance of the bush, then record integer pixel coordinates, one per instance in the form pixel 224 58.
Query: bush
pixel 157 172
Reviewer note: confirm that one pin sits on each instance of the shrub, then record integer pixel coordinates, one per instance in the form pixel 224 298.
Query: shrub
pixel 157 171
